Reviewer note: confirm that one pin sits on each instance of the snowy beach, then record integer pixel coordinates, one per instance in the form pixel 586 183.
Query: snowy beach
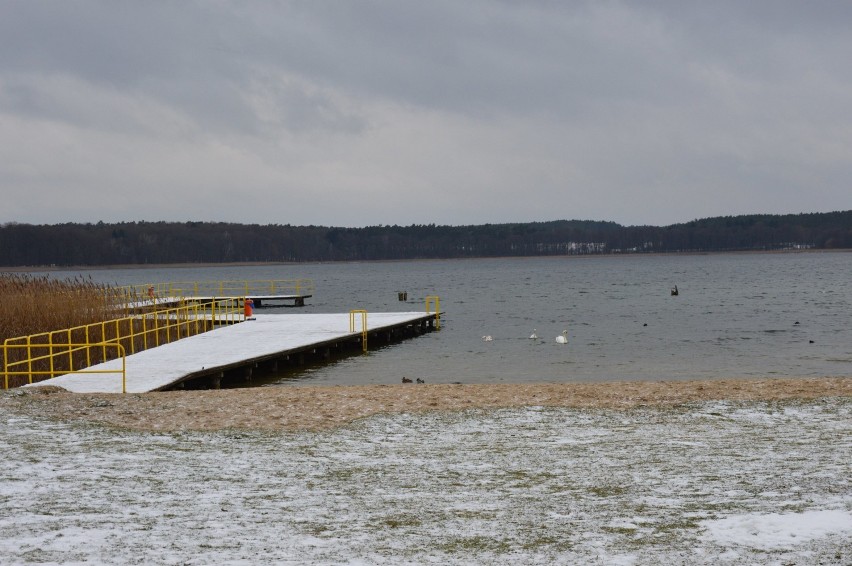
pixel 705 482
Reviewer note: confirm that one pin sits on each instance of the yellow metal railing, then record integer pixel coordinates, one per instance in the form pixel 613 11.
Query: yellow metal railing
pixel 32 361
pixel 436 301
pixel 237 288
pixel 363 314
pixel 134 333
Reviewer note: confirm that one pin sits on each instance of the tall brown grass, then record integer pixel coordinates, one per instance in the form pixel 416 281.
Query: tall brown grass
pixel 33 304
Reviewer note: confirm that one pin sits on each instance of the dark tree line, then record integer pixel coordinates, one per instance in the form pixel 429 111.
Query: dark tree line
pixel 216 242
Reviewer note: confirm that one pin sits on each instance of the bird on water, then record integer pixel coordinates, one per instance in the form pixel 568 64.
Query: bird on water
pixel 487 338
pixel 534 336
pixel 562 338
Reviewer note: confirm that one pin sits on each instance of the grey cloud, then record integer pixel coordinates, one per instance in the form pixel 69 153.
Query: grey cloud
pixel 702 107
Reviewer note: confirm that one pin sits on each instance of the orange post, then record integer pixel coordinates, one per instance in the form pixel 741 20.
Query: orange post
pixel 248 308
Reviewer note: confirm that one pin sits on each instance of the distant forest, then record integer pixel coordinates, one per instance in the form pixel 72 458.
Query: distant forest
pixel 216 242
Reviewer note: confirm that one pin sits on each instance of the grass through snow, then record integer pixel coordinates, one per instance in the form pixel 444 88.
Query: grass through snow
pixel 713 483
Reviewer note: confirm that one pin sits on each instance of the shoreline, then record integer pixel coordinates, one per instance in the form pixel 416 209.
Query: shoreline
pixel 189 265
pixel 316 408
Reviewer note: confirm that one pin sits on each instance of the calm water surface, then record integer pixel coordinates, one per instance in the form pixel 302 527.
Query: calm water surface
pixel 746 315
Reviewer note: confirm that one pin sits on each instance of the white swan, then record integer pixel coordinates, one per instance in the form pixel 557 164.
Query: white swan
pixel 534 336
pixel 487 338
pixel 562 338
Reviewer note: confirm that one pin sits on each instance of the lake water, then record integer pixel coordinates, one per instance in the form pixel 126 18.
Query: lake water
pixel 737 315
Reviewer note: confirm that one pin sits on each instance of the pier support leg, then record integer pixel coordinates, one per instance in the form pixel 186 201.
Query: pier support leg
pixel 216 380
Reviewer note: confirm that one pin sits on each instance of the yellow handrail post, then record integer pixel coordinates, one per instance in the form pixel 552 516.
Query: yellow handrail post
pixel 156 328
pixel 167 322
pixel 50 350
pixel 437 301
pixel 5 371
pixel 117 332
pixel 144 331
pixel 29 358
pixel 70 354
pixel 363 314
pixel 123 355
pixel 88 350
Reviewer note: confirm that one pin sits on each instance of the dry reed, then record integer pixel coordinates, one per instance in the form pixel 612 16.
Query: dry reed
pixel 31 304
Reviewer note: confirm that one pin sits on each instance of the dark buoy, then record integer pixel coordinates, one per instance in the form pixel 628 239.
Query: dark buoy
pixel 403 295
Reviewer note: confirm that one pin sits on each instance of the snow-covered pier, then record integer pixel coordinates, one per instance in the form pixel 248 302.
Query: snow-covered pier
pixel 277 291
pixel 237 350
pixel 257 299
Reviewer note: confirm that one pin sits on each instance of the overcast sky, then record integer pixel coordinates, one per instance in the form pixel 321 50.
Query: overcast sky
pixel 355 113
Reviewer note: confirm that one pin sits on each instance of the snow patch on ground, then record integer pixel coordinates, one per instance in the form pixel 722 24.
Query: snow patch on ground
pixel 712 483
pixel 774 530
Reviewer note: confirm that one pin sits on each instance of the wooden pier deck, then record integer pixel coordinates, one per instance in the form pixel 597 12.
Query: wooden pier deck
pixel 267 339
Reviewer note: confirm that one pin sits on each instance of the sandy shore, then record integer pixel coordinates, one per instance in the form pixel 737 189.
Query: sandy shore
pixel 317 408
